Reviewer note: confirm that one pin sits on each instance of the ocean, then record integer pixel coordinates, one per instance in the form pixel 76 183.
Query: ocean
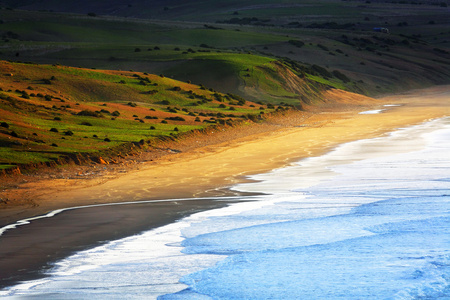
pixel 368 220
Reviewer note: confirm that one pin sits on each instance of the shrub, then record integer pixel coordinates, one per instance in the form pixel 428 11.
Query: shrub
pixel 14 134
pixel 132 104
pixel 176 119
pixel 152 128
pixel 4 124
pixel 152 92
pixel 86 124
pixel 54 145
pixel 54 130
pixel 90 113
pixel 57 119
pixel 68 133
pixel 321 71
pixel 116 113
pixel 322 47
pixel 297 43
pixel 241 101
pixel 107 140
pixel 341 76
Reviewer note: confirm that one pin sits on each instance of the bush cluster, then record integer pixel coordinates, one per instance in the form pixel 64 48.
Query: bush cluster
pixel 90 113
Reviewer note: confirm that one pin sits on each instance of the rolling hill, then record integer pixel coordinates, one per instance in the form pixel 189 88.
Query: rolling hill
pixel 97 75
pixel 172 38
pixel 50 114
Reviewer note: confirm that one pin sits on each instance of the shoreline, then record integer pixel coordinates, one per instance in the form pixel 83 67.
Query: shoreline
pixel 28 251
pixel 176 176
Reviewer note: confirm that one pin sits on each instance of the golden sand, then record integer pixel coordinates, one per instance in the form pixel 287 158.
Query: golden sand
pixel 205 171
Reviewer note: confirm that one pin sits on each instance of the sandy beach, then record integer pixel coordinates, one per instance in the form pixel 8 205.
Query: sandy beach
pixel 205 171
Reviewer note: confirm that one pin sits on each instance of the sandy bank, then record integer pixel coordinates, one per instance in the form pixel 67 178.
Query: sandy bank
pixel 209 170
pixel 199 171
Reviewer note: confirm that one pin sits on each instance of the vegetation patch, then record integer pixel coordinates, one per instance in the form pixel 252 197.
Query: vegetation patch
pixel 35 131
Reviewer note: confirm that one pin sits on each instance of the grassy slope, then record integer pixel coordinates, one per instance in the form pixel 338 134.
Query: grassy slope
pixel 376 63
pixel 270 53
pixel 39 104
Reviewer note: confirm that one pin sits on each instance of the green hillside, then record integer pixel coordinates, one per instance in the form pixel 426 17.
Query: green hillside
pixel 50 113
pixel 170 36
pixel 177 66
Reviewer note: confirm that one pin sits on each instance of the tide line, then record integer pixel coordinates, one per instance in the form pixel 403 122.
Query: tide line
pixel 58 211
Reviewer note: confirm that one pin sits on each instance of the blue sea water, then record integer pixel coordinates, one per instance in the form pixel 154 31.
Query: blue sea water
pixel 369 220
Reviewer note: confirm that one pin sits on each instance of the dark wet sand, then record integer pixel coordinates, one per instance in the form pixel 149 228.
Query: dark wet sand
pixel 27 251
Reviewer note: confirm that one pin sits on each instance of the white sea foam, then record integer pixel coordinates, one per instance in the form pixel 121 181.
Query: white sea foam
pixel 367 220
pixel 371 112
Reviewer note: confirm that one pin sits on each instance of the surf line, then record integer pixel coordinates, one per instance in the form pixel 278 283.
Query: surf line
pixel 58 211
pixel 377 111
